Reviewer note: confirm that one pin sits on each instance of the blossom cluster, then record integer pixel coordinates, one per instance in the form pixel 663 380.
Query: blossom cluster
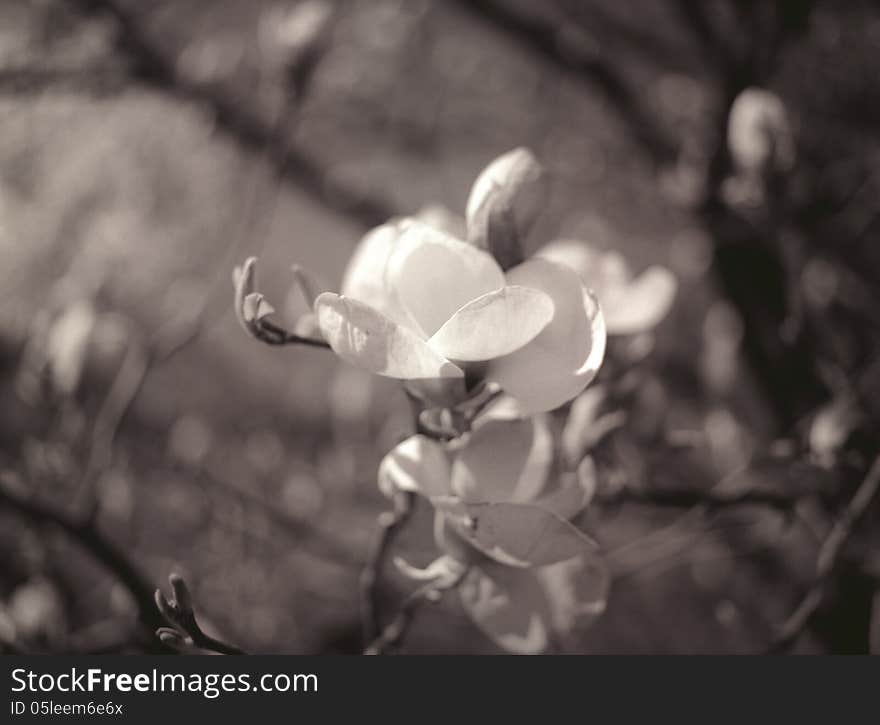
pixel 494 341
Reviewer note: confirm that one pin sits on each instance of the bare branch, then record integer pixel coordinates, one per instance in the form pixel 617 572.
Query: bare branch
pixel 101 548
pixel 248 128
pixel 544 38
pixel 709 499
pixel 27 81
pixel 826 561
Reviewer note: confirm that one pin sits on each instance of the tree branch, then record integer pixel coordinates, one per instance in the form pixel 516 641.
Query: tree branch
pixel 248 128
pixel 826 561
pixel 709 499
pixel 545 39
pixel 87 536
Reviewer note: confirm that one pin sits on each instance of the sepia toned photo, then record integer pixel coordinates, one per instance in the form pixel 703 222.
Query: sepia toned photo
pixel 434 327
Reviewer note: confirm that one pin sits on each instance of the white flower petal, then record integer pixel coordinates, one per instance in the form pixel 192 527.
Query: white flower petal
pixel 418 465
pixel 602 272
pixel 495 324
pixel 433 275
pixel 629 305
pixel 510 607
pixel 502 461
pixel 577 591
pixel 642 304
pixel 367 338
pixel 446 220
pixel 561 361
pixel 366 275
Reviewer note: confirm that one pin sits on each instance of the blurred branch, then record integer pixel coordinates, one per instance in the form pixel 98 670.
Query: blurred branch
pixel 547 39
pixel 713 44
pixel 152 65
pixel 323 545
pixel 90 538
pixel 124 389
pixel 826 561
pixel 28 81
pixel 709 499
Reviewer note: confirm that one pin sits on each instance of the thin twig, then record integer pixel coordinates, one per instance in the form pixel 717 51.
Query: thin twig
pixel 546 39
pixel 97 81
pixel 393 633
pixel 101 548
pixel 388 524
pixel 185 632
pixel 711 500
pixel 826 561
pixel 158 68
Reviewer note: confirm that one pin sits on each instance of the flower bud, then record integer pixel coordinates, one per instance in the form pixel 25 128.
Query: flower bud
pixel 759 134
pixel 503 204
pixel 172 638
pixel 182 596
pixel 288 37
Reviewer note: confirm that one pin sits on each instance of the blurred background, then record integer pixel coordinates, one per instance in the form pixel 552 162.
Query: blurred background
pixel 148 148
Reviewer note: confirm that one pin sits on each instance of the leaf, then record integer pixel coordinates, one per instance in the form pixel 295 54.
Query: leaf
pixel 562 360
pixel 367 338
pixel 493 325
pixel 516 534
pixel 418 465
pixel 509 607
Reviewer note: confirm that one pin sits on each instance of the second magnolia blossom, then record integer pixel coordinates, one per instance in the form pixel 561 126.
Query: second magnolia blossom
pixel 502 508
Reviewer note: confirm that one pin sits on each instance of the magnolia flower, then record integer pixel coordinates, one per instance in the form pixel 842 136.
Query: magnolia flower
pixel 503 514
pixel 420 305
pixel 630 305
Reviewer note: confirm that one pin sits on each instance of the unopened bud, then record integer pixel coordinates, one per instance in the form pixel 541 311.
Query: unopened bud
pixel 166 609
pixel 182 596
pixel 173 638
pixel 504 202
pixel 759 134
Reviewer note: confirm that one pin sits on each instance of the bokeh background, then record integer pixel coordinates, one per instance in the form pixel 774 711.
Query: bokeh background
pixel 147 148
